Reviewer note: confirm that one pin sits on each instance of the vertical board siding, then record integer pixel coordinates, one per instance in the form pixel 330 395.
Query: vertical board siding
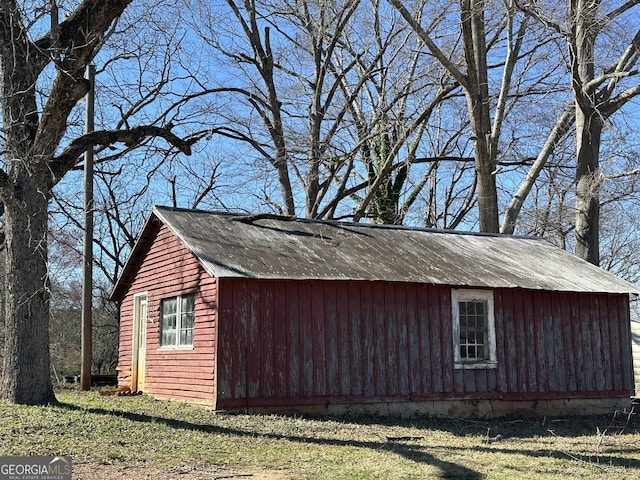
pixel 624 347
pixel 635 341
pixel 287 342
pixel 169 269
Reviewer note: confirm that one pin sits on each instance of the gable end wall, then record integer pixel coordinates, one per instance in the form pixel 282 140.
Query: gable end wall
pixel 169 269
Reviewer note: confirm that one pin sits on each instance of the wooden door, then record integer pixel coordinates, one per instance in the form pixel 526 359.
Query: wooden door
pixel 139 343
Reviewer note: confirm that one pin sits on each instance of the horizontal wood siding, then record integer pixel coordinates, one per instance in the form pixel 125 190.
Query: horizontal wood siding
pixel 287 343
pixel 169 269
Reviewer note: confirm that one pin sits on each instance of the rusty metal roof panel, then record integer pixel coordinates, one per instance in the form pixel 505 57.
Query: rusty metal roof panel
pixel 283 248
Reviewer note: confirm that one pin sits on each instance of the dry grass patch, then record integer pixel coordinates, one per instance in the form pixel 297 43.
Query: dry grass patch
pixel 139 437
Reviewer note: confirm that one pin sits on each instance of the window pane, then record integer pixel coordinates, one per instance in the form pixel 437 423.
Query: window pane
pixel 186 337
pixel 186 330
pixel 169 337
pixel 187 318
pixel 168 321
pixel 473 325
pixel 177 321
pixel 169 306
pixel 188 303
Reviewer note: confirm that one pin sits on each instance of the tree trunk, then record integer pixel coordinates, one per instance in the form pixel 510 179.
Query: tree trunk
pixel 588 182
pixel 478 104
pixel 487 191
pixel 26 376
pixel 588 128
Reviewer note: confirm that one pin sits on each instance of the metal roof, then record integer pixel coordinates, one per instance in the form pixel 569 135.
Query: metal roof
pixel 231 245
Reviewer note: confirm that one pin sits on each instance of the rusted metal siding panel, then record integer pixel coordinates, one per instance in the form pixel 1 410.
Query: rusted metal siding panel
pixel 570 345
pixel 414 362
pixel 504 304
pixel 281 370
pixel 625 344
pixel 343 343
pixel 294 338
pixel 523 330
pixel 367 365
pixel 635 342
pixel 317 340
pixel 619 342
pixel 169 269
pixel 605 343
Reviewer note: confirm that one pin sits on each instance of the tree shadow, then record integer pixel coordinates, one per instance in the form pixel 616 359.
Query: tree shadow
pixel 412 452
pixel 409 449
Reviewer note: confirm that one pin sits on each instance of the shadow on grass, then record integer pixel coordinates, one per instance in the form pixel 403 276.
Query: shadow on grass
pixel 414 453
pixel 411 451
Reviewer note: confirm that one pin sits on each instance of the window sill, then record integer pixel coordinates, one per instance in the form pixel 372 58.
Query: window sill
pixel 172 348
pixel 475 365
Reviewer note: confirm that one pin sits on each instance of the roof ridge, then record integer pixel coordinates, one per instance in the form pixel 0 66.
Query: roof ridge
pixel 250 218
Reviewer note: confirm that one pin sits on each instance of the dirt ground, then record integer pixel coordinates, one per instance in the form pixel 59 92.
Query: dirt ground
pixel 95 471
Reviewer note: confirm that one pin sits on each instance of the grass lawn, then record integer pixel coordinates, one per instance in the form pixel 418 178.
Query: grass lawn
pixel 139 437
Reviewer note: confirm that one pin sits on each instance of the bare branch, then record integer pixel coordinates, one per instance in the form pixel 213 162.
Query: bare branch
pixel 557 133
pixel 534 11
pixel 621 9
pixel 71 154
pixel 455 72
pixel 630 173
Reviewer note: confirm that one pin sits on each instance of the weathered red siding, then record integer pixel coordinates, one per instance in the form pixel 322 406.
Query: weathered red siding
pixel 169 269
pixel 305 342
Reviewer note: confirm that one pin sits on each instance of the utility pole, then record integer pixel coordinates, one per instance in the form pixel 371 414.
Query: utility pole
pixel 87 248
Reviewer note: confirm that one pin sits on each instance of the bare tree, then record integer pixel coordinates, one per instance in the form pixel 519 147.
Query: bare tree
pixel 602 77
pixel 35 158
pixel 473 75
pixel 346 105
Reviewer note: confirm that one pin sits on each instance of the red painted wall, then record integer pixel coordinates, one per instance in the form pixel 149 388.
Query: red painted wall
pixel 288 343
pixel 313 342
pixel 169 269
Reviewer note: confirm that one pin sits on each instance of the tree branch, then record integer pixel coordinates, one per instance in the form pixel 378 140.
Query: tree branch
pixel 81 31
pixel 455 72
pixel 619 101
pixel 533 10
pixel 71 154
pixel 555 136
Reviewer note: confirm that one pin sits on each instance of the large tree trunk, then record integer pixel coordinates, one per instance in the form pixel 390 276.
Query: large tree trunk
pixel 31 135
pixel 26 376
pixel 26 350
pixel 478 104
pixel 588 183
pixel 588 128
pixel 487 191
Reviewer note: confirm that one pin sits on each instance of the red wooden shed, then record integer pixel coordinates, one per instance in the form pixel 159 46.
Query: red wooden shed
pixel 281 314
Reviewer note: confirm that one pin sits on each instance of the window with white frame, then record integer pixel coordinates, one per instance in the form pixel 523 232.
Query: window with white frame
pixel 177 321
pixel 474 337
